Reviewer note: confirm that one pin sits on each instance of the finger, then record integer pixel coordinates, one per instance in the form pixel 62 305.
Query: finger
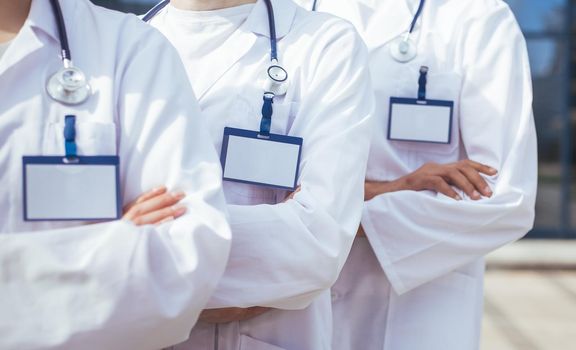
pixel 477 181
pixel 146 196
pixel 165 200
pixel 158 216
pixel 291 195
pixel 224 315
pixel 168 219
pixel 253 312
pixel 456 178
pixel 484 169
pixel 232 314
pixel 441 186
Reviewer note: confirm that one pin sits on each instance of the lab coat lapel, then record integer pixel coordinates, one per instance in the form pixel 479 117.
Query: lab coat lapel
pixel 382 21
pixel 40 22
pixel 222 59
pixel 240 43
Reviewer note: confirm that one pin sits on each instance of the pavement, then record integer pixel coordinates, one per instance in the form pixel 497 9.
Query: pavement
pixel 530 297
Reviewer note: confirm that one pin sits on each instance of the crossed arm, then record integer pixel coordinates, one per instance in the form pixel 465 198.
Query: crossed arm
pixel 159 206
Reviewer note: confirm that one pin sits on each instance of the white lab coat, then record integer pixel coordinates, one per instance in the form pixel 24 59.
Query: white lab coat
pixel 110 285
pixel 287 255
pixel 431 247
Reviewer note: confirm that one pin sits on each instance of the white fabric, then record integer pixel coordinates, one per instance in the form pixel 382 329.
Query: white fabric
pixel 287 255
pixel 4 47
pixel 431 247
pixel 202 32
pixel 108 285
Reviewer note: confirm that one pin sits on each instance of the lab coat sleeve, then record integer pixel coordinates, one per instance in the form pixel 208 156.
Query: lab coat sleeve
pixel 284 255
pixel 115 285
pixel 417 236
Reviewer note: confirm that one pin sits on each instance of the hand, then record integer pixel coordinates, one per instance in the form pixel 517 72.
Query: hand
pixel 291 195
pixel 231 314
pixel 155 207
pixel 464 175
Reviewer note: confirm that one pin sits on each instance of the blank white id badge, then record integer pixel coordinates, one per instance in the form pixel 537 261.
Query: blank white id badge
pixel 272 160
pixel 84 190
pixel 420 120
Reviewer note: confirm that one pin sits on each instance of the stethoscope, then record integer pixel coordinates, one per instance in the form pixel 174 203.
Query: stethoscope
pixel 277 77
pixel 68 85
pixel 404 48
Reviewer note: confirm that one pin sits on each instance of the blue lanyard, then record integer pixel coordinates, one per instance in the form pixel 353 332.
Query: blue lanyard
pixel 70 137
pixel 414 20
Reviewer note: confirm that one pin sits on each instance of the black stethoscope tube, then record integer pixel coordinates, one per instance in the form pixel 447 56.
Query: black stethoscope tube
pixel 154 10
pixel 65 47
pixel 417 15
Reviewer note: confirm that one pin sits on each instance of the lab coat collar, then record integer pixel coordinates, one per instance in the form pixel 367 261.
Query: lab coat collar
pixel 28 40
pixel 284 11
pixel 42 18
pixel 242 40
pixel 383 21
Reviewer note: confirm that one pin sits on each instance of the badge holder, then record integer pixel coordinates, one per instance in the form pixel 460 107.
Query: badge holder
pixel 71 188
pixel 259 157
pixel 420 119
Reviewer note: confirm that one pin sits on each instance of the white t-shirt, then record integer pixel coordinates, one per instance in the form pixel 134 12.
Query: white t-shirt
pixel 202 32
pixel 4 47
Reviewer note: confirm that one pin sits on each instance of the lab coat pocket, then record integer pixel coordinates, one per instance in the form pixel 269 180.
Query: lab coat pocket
pixel 249 343
pixel 92 139
pixel 445 86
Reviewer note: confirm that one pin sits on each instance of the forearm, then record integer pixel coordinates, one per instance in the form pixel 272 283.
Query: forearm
pixel 283 256
pixel 376 188
pixel 108 270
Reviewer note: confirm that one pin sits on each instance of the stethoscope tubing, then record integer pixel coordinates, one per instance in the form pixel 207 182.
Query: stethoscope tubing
pixel 272 25
pixel 62 34
pixel 417 16
pixel 154 10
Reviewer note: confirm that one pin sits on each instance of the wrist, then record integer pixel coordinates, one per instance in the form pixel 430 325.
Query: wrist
pixel 404 183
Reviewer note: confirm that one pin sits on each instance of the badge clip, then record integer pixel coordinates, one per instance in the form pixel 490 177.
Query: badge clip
pixel 422 81
pixel 70 140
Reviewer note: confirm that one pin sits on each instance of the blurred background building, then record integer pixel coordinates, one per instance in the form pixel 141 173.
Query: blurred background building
pixel 547 25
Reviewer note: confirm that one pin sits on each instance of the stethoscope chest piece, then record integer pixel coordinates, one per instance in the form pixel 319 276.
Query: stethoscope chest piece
pixel 276 80
pixel 68 86
pixel 403 49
